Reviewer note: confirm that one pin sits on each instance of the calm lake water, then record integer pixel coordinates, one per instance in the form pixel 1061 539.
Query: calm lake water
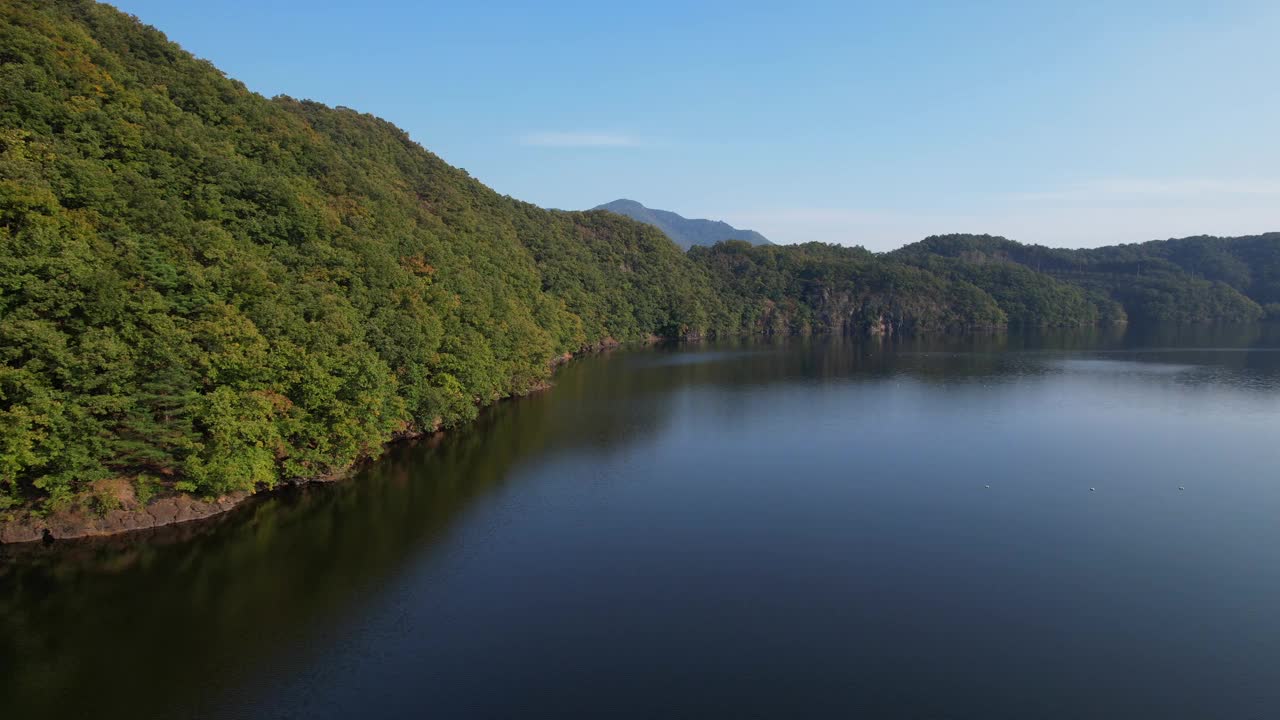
pixel 1065 525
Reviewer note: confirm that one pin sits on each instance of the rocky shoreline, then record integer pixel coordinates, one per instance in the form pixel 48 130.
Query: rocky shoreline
pixel 82 522
pixel 129 514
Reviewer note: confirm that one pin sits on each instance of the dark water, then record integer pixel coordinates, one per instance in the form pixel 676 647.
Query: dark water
pixel 800 528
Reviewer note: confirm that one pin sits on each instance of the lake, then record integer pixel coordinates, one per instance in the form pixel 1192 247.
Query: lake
pixel 1053 525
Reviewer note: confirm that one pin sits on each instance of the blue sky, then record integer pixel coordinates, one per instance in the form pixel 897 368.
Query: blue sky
pixel 1076 123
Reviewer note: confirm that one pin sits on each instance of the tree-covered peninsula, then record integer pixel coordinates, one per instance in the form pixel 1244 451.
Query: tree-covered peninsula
pixel 203 290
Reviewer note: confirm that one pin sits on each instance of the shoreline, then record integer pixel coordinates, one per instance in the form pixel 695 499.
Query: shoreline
pixel 81 523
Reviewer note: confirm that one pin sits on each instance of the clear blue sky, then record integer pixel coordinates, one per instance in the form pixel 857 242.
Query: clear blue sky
pixel 1073 123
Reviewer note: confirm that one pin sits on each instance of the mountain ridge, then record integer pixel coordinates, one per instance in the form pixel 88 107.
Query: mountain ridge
pixel 684 232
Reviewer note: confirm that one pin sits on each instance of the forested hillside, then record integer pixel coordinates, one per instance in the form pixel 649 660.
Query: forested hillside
pixel 202 286
pixel 204 290
pixel 1195 279
pixel 827 288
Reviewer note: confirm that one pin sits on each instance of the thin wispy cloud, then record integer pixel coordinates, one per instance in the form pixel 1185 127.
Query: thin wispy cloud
pixel 579 140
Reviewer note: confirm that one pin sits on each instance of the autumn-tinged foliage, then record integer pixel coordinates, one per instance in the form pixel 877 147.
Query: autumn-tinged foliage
pixel 201 284
pixel 208 290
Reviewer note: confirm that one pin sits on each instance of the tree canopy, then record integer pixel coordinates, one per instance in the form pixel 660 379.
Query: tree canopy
pixel 206 290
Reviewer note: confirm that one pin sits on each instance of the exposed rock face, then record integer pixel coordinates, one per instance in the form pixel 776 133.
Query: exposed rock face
pixel 850 314
pixel 131 515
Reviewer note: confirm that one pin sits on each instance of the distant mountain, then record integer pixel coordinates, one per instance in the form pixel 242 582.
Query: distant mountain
pixel 685 232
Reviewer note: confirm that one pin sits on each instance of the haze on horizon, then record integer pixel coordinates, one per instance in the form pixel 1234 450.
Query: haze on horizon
pixel 1082 124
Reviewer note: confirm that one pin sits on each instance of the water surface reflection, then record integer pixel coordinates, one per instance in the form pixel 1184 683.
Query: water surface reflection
pixel 743 527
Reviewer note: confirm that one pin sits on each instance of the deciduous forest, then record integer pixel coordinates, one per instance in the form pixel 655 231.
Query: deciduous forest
pixel 205 290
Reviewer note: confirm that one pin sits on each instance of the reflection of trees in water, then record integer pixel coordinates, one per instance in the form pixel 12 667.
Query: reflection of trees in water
pixel 749 369
pixel 151 614
pixel 944 358
pixel 1211 347
pixel 747 364
pixel 139 621
pixel 1204 336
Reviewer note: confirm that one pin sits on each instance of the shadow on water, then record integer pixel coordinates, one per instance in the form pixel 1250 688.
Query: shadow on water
pixel 160 622
pixel 132 622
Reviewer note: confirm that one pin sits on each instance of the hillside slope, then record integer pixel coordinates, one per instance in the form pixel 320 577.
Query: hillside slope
pixel 209 290
pixel 814 287
pixel 206 292
pixel 1195 279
